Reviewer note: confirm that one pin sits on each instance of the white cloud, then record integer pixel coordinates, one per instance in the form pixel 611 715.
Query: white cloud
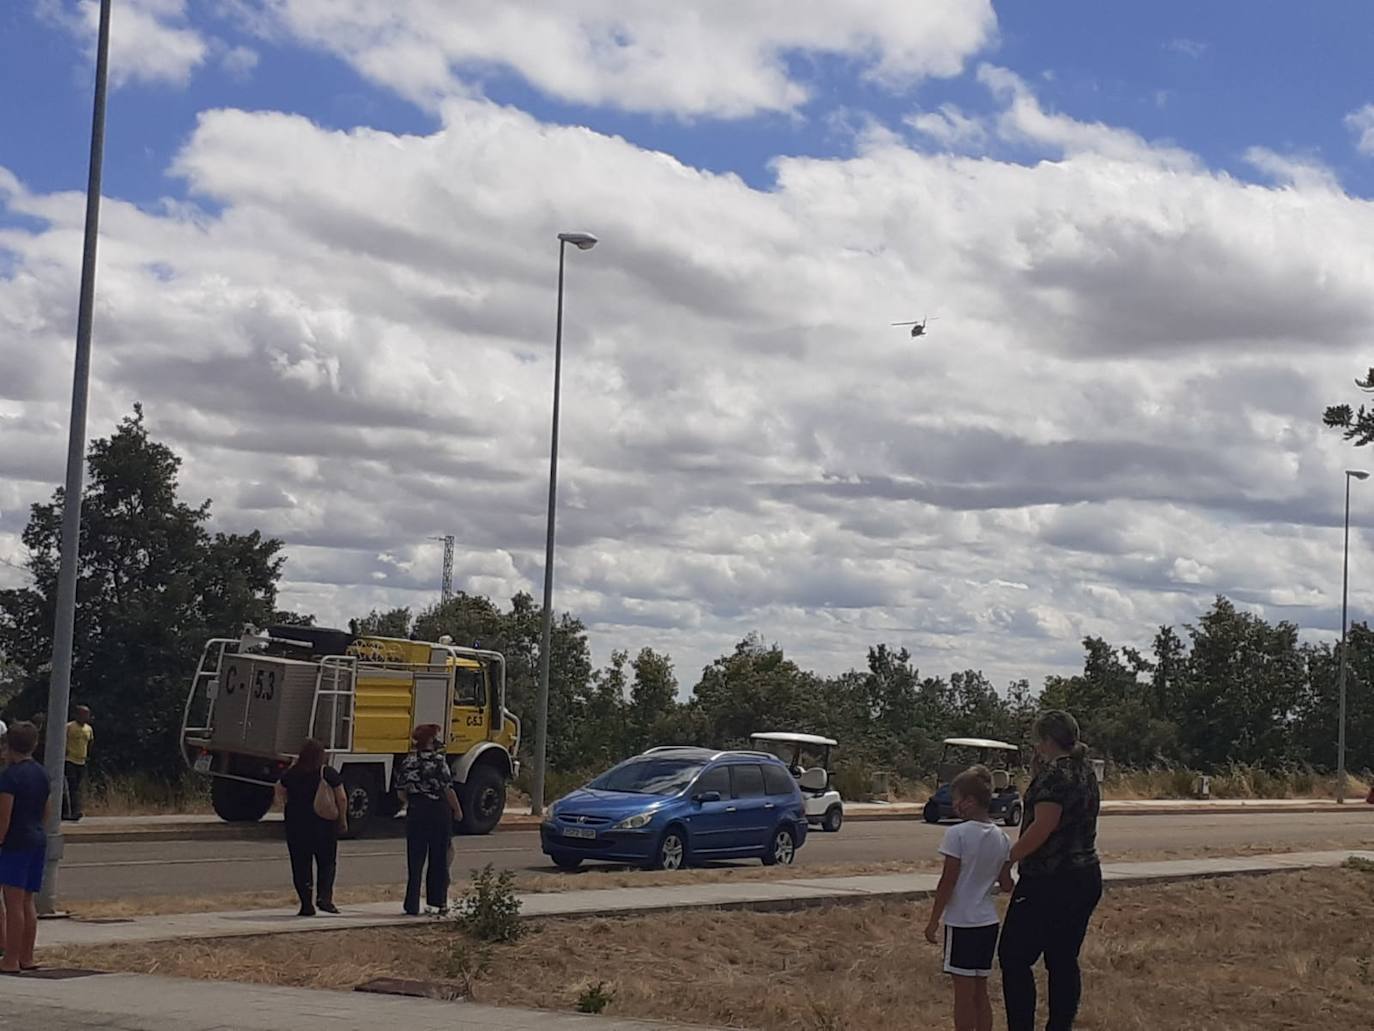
pixel 1024 120
pixel 1186 47
pixel 1304 173
pixel 1116 415
pixel 151 41
pixel 950 127
pixel 1361 123
pixel 714 58
pixel 239 62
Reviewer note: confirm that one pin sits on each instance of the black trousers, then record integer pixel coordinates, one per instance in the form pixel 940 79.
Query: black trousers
pixel 429 831
pixel 71 808
pixel 314 846
pixel 1047 916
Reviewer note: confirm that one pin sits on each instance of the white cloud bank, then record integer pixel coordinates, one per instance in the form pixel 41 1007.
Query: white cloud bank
pixel 1116 415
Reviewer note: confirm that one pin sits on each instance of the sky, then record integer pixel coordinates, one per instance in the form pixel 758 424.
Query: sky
pixel 328 268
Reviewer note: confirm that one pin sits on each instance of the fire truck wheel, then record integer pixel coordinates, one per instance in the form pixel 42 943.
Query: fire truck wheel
pixel 362 791
pixel 483 798
pixel 235 801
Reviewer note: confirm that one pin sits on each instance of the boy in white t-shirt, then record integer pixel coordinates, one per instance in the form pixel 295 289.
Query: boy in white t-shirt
pixel 976 858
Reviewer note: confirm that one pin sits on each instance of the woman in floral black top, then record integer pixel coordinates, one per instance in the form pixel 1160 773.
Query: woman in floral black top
pixel 1059 878
pixel 431 808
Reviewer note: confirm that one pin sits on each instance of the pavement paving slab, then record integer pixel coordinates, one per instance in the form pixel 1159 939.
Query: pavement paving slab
pixel 134 1002
pixel 782 893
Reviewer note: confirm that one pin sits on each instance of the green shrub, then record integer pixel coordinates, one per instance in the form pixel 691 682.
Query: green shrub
pixel 595 998
pixel 489 910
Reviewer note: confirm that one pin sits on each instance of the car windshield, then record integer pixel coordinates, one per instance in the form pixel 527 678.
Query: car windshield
pixel 649 776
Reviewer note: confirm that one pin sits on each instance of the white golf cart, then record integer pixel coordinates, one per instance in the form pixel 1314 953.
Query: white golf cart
pixel 824 807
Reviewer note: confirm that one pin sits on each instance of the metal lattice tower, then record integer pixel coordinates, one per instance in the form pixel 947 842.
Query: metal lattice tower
pixel 446 584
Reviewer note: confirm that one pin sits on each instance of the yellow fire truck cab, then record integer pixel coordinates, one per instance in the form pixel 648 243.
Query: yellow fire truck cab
pixel 255 699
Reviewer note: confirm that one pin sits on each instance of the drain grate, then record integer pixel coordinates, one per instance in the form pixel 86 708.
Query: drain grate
pixel 106 920
pixel 411 989
pixel 61 973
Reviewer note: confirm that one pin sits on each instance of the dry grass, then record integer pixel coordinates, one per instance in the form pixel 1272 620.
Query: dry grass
pixel 1235 781
pixel 1284 951
pixel 142 795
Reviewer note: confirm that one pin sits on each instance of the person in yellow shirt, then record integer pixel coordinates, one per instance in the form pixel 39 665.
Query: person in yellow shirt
pixel 79 738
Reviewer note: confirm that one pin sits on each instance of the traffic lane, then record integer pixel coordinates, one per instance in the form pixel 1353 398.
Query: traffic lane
pixel 131 869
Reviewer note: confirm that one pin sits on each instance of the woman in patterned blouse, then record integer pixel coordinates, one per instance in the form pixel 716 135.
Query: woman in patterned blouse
pixel 426 782
pixel 1059 879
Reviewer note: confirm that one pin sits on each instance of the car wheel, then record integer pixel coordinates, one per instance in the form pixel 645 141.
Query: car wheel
pixel 782 849
pixel 1013 817
pixel 672 851
pixel 834 819
pixel 566 862
pixel 931 813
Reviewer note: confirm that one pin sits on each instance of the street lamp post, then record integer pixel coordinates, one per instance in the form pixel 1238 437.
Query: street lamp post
pixel 583 242
pixel 1350 474
pixel 64 625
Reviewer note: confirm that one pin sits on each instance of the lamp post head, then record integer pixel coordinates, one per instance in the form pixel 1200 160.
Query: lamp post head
pixel 582 241
pixel 1359 474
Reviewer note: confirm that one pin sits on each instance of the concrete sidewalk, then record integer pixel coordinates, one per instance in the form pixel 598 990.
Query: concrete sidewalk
pixel 203 827
pixel 140 1003
pixel 779 894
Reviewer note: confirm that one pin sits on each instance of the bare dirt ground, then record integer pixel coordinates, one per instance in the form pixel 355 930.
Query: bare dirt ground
pixel 1282 951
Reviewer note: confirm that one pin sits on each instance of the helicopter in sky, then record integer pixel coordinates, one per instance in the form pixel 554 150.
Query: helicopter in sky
pixel 918 329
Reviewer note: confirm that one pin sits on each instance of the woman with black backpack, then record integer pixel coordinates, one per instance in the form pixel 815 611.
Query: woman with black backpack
pixel 316 812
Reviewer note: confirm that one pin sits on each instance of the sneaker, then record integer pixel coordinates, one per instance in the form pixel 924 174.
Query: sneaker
pixel 328 907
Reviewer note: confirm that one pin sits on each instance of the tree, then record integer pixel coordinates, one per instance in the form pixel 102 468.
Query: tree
pixel 653 696
pixel 391 623
pixel 153 585
pixel 285 617
pixel 476 622
pixel 755 688
pixel 1354 425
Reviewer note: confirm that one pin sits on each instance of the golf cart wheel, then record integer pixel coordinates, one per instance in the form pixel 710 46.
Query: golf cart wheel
pixel 782 850
pixel 833 819
pixel 237 801
pixel 931 813
pixel 566 862
pixel 1013 817
pixel 672 851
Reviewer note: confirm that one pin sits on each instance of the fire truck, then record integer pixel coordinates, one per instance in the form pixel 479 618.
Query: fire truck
pixel 255 699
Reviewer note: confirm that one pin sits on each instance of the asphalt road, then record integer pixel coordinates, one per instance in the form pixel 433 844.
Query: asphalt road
pixel 128 869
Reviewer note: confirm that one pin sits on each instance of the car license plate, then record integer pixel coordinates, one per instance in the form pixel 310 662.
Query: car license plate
pixel 579 832
pixel 203 763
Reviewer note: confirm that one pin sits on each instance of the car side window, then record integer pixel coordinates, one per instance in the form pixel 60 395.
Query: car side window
pixel 776 780
pixel 747 779
pixel 716 779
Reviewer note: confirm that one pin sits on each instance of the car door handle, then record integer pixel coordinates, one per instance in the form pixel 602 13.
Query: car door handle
pixel 729 809
pixel 768 805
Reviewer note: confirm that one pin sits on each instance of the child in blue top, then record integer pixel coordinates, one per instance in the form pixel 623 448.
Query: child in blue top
pixel 23 845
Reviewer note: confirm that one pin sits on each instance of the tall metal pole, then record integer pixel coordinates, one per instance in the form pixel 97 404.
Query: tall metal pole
pixel 59 687
pixel 1345 594
pixel 541 731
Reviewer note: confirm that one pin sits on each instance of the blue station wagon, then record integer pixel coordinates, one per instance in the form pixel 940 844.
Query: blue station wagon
pixel 671 807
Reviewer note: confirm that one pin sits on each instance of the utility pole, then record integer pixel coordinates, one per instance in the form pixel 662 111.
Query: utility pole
pixel 64 625
pixel 446 584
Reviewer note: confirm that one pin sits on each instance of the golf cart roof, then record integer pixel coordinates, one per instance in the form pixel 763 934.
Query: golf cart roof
pixel 793 739
pixel 981 742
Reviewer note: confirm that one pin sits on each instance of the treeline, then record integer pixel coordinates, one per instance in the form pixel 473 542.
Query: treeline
pixel 155 583
pixel 1231 688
